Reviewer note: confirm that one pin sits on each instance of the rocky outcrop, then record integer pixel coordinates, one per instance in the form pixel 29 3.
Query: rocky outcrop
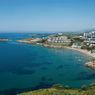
pixel 90 64
pixel 4 39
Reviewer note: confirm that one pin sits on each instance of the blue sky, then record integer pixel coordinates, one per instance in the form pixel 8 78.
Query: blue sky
pixel 46 15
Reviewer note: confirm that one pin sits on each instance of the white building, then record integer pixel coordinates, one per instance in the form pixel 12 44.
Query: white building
pixel 59 39
pixel 76 45
pixel 60 34
pixel 89 37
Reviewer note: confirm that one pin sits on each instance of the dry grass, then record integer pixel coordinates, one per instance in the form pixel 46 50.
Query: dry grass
pixel 53 91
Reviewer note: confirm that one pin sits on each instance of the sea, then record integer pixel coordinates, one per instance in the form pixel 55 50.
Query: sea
pixel 25 67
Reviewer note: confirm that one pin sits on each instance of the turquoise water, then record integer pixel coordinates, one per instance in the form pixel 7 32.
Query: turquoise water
pixel 27 67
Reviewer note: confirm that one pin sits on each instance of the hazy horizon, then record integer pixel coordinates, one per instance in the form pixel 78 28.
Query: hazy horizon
pixel 47 15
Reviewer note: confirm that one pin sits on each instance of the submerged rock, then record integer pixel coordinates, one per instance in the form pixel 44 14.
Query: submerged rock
pixel 59 67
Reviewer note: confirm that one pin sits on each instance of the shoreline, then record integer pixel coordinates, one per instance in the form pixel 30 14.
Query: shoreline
pixel 82 51
pixel 59 46
pixel 77 49
pixel 86 52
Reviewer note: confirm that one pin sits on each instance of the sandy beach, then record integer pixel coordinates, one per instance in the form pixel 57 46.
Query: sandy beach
pixel 83 51
pixel 77 49
pixel 88 64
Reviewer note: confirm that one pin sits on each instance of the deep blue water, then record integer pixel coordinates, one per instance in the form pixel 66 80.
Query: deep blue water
pixel 26 67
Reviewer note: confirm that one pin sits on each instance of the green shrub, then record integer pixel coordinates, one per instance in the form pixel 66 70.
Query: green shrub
pixel 57 86
pixel 79 90
pixel 84 87
pixel 66 87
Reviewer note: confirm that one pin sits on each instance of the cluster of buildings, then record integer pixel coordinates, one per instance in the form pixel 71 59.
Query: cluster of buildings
pixel 58 38
pixel 77 45
pixel 89 38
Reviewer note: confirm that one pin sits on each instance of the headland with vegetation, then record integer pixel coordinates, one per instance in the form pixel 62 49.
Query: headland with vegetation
pixel 58 89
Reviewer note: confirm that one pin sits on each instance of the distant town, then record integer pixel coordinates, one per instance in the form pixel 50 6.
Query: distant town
pixel 83 40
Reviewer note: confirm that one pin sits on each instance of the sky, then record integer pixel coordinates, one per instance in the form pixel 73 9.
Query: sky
pixel 46 15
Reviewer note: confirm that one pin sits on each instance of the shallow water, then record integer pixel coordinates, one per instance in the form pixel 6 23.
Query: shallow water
pixel 26 67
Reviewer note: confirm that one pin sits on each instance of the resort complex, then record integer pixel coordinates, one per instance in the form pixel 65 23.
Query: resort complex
pixel 58 38
pixel 89 36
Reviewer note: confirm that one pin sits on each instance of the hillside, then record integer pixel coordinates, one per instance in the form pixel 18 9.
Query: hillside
pixel 63 91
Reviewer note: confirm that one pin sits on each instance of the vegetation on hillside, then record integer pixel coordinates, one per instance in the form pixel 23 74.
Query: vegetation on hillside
pixel 58 89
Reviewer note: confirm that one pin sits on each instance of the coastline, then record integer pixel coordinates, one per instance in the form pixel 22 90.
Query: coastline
pixel 59 46
pixel 82 51
pixel 88 64
pixel 68 47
